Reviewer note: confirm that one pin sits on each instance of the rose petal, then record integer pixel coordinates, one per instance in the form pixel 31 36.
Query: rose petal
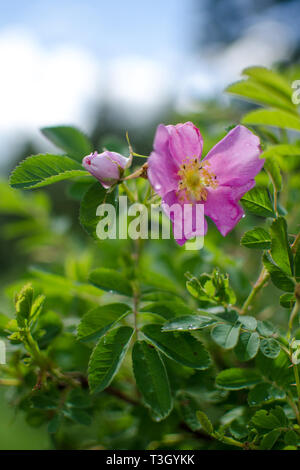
pixel 185 142
pixel 188 222
pixel 235 159
pixel 223 209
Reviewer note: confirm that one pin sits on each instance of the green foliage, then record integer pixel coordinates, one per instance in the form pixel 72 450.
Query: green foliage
pixel 138 344
pixel 70 140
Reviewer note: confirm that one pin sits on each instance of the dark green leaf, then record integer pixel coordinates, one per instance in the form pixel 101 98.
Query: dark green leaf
pixel 167 309
pixel 237 379
pixel 226 336
pixel 189 322
pixel 107 357
pixel 270 347
pixel 247 346
pixel 180 347
pixel 270 439
pixel 280 249
pixel 112 281
pixel 151 378
pixel 287 300
pixel 98 321
pixel 256 238
pixel 95 196
pixel 279 277
pixel 264 393
pixel 258 202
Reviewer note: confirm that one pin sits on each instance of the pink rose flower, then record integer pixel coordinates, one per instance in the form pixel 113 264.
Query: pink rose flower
pixel 177 173
pixel 107 167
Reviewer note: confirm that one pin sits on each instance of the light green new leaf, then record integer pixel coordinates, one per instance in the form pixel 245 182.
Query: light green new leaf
pixel 280 249
pixel 205 422
pixel 261 94
pixel 237 379
pixel 98 321
pixel 274 118
pixel 92 199
pixel 269 78
pixel 41 170
pixel 69 139
pixel 181 347
pixel 258 202
pixel 107 357
pixel 247 346
pixel 256 238
pixel 226 336
pixel 151 378
pixel 110 280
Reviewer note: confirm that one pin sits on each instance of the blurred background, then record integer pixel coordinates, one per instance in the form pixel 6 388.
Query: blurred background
pixel 108 67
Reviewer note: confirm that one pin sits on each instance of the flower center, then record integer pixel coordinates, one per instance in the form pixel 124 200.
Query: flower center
pixel 194 179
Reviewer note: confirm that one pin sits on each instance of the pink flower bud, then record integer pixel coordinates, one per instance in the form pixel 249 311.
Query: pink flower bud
pixel 107 167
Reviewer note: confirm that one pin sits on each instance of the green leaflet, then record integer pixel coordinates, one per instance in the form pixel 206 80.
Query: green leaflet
pixel 256 238
pixel 151 378
pixel 237 379
pixel 89 216
pixel 110 280
pixel 42 170
pixel 258 202
pixel 107 357
pixel 180 347
pixel 98 321
pixel 275 118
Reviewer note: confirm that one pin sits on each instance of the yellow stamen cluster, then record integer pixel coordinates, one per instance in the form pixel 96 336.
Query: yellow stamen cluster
pixel 194 179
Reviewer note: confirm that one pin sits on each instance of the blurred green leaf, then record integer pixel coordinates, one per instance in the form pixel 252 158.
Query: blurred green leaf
pixel 270 347
pixel 237 379
pixel 274 118
pixel 112 281
pixel 265 393
pixel 69 139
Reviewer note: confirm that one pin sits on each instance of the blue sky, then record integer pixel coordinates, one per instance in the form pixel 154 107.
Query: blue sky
pixel 153 28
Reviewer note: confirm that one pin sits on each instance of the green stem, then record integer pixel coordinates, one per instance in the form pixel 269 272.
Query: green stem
pixel 260 283
pixel 10 382
pixel 128 192
pixel 295 244
pixel 34 350
pixel 292 318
